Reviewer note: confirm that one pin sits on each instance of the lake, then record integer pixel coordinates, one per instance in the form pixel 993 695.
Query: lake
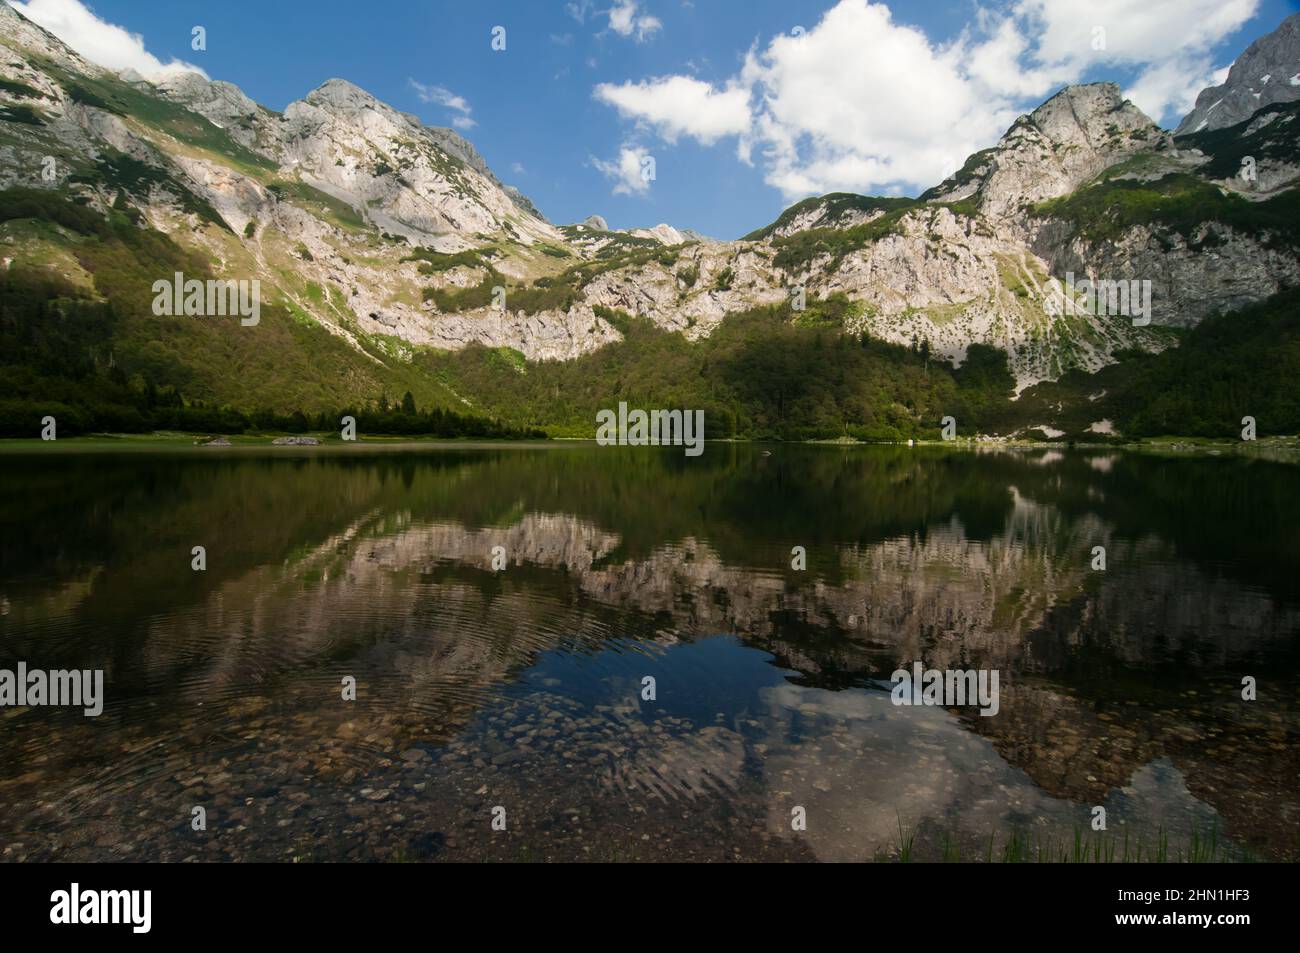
pixel 650 677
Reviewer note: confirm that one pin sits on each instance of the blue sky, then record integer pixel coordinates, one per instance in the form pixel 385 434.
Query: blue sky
pixel 743 105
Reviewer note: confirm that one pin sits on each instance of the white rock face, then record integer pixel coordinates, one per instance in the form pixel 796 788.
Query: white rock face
pixel 1069 140
pixel 225 105
pixel 819 217
pixel 1215 269
pixel 545 336
pixel 945 278
pixel 664 234
pixel 344 141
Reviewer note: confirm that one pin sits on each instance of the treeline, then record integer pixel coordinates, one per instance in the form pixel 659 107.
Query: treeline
pixel 1233 365
pixel 1237 364
pixel 101 404
pixel 57 360
pixel 763 374
pixel 288 361
pixel 770 374
pixel 23 416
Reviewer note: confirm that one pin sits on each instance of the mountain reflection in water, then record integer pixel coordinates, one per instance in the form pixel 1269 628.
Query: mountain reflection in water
pixel 522 689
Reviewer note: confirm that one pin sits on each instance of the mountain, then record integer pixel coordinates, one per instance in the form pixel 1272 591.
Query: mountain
pixel 1267 73
pixel 1085 184
pixel 382 247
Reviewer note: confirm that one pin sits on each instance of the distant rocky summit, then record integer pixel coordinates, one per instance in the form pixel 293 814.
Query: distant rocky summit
pixel 1268 72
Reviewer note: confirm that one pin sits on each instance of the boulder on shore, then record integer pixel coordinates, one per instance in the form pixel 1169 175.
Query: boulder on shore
pixel 295 442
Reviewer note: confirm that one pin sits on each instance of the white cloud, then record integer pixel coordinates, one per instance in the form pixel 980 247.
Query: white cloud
pixel 99 41
pixel 579 10
pixel 1136 31
pixel 625 21
pixel 681 105
pixel 860 102
pixel 627 171
pixel 1170 88
pixel 998 63
pixel 442 96
pixel 1167 40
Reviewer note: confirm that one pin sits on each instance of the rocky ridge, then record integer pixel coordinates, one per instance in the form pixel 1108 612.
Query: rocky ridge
pixel 358 200
pixel 1267 72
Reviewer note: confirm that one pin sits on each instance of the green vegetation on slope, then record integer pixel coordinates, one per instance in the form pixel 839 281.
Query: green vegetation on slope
pixel 58 362
pixel 1177 203
pixel 760 374
pixel 1233 365
pixel 116 96
pixel 21 90
pixel 24 115
pixel 432 262
pixel 962 176
pixel 1275 138
pixel 322 204
pixel 795 253
pixel 118 171
pixel 554 292
pixel 835 204
pixel 63 345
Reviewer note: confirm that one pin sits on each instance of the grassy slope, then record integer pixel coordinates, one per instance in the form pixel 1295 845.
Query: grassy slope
pixel 1178 203
pixel 287 361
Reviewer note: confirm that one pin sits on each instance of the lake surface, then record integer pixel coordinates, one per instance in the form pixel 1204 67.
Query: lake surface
pixel 522 689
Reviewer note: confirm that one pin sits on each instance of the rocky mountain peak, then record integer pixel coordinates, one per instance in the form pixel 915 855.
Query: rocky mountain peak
pixel 1065 142
pixel 441 166
pixel 343 96
pixel 663 233
pixel 23 33
pixel 223 104
pixel 1087 112
pixel 1268 72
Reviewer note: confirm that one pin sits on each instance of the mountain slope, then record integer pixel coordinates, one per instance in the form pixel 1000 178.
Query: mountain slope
pixel 383 247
